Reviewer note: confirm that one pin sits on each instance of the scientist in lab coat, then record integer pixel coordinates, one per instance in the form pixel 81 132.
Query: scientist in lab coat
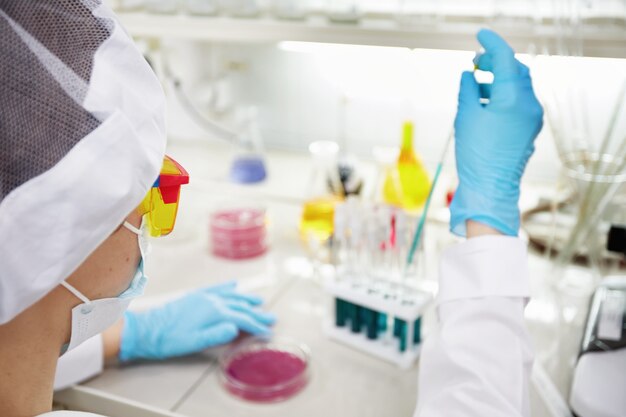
pixel 81 144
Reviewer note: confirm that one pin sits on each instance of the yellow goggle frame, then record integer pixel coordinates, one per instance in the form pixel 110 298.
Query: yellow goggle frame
pixel 161 202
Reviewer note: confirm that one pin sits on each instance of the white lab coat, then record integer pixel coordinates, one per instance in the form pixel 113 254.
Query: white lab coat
pixel 479 360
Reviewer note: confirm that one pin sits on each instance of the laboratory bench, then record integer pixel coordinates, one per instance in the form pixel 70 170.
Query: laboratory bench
pixel 344 382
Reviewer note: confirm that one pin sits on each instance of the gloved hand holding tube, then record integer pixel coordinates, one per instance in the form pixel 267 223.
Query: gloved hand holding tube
pixel 495 140
pixel 205 318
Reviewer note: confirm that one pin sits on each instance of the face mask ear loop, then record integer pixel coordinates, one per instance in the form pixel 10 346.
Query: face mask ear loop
pixel 78 295
pixel 132 228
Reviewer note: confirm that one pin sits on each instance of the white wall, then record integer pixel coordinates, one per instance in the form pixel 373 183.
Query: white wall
pixel 302 91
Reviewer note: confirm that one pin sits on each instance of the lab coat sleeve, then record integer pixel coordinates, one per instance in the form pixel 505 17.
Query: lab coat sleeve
pixel 477 362
pixel 80 364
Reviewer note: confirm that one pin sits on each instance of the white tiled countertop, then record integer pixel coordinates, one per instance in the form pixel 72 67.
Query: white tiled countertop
pixel 343 382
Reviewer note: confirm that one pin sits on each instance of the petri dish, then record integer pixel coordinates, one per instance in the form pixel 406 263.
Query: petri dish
pixel 265 370
pixel 239 232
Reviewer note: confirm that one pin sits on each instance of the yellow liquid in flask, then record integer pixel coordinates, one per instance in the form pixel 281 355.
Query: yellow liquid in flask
pixel 407 184
pixel 317 219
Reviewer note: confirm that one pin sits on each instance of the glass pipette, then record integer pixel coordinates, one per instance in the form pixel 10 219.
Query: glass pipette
pixel 420 226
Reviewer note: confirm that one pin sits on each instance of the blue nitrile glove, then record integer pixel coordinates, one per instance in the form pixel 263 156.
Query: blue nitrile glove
pixel 204 318
pixel 494 141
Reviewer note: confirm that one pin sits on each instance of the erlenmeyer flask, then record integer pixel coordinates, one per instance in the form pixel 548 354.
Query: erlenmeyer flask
pixel 407 185
pixel 248 166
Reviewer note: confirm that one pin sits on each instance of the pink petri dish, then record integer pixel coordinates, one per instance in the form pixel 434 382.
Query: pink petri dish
pixel 262 370
pixel 238 233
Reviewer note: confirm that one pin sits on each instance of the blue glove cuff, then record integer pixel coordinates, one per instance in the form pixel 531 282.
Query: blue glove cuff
pixel 129 337
pixel 503 216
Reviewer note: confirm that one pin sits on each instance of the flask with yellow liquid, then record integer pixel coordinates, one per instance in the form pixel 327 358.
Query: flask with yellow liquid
pixel 407 184
pixel 325 191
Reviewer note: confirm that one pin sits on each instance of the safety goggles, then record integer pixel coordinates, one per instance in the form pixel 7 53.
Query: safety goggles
pixel 160 205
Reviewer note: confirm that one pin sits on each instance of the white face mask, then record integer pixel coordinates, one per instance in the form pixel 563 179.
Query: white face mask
pixel 93 317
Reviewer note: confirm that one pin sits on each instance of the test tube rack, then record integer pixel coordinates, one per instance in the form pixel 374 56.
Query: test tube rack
pixel 376 322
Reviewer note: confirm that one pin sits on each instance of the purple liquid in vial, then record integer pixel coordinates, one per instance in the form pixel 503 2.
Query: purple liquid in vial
pixel 265 375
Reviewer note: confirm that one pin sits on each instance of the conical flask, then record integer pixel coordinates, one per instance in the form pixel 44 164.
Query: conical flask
pixel 407 186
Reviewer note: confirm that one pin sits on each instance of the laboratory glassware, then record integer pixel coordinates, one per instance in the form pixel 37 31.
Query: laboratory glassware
pixel 594 168
pixel 324 190
pixel 375 310
pixel 238 231
pixel 408 185
pixel 265 370
pixel 249 163
pixel 386 158
pixel 372 322
pixel 597 180
pixel 420 225
pixel 597 173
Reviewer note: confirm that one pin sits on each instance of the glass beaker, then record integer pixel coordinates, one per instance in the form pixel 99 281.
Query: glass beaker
pixel 597 180
pixel 324 191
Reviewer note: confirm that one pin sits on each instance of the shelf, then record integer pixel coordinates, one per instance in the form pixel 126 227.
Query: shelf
pixel 606 39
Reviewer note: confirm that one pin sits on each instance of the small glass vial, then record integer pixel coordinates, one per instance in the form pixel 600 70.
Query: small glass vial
pixel 248 167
